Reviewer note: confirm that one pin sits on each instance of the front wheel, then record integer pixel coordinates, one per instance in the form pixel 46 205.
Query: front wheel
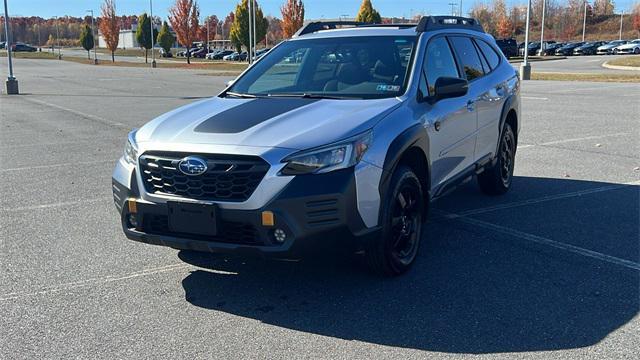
pixel 394 251
pixel 496 180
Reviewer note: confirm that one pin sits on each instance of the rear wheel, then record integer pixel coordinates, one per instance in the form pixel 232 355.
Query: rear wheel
pixel 394 251
pixel 636 51
pixel 496 180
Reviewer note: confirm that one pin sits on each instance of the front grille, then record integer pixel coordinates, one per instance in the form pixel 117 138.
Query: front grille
pixel 228 177
pixel 229 231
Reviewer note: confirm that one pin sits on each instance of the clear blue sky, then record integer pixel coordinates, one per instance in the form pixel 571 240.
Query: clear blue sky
pixel 314 8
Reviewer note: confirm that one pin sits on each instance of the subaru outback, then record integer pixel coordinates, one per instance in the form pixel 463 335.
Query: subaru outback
pixel 339 137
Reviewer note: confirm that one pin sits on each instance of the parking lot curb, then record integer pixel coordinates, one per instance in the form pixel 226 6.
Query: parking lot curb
pixel 618 67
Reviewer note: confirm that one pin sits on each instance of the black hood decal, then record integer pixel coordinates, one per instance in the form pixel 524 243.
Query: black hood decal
pixel 250 114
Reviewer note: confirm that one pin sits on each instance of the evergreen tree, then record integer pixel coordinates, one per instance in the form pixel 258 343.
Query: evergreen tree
pixel 143 34
pixel 368 14
pixel 86 39
pixel 165 37
pixel 240 29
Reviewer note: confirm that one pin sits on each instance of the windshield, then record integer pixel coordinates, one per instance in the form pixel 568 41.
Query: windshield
pixel 338 67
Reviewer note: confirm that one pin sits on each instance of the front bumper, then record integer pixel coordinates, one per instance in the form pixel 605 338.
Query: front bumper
pixel 316 212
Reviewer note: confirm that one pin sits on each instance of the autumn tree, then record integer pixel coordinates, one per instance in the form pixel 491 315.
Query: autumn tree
pixel 636 18
pixel 481 12
pixel 368 14
pixel 183 16
pixel 143 34
pixel 603 7
pixel 227 24
pixel 239 34
pixel 110 27
pixel 292 17
pixel 503 23
pixel 86 39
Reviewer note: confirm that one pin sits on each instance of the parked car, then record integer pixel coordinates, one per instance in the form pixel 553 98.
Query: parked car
pixel 632 47
pixel 220 55
pixel 23 47
pixel 532 48
pixel 343 155
pixel 550 49
pixel 199 53
pixel 607 49
pixel 589 48
pixel 509 47
pixel 243 56
pixel 568 49
pixel 261 53
pixel 165 54
pixel 231 57
pixel 3 44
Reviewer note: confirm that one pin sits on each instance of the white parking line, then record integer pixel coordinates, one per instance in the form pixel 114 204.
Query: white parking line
pixel 80 113
pixel 58 165
pixel 534 98
pixel 55 205
pixel 542 199
pixel 544 241
pixel 583 138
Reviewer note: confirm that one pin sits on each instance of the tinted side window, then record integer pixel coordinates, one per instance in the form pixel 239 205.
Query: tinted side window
pixel 489 54
pixel 468 56
pixel 439 62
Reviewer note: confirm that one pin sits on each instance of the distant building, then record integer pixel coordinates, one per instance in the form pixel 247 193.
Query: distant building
pixel 127 38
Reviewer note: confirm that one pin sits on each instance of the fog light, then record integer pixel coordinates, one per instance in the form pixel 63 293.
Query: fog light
pixel 133 221
pixel 280 235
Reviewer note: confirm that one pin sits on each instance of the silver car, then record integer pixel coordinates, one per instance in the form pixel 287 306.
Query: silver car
pixel 343 148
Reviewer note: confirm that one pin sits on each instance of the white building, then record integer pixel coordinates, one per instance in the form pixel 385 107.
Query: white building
pixel 127 38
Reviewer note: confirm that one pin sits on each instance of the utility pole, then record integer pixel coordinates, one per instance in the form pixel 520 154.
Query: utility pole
pixel 460 8
pixel 542 44
pixel 452 4
pixel 584 20
pixel 57 37
pixel 207 47
pixel 95 56
pixel 621 15
pixel 525 68
pixel 153 38
pixel 12 82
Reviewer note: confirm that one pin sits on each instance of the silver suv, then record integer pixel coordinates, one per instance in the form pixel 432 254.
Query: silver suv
pixel 337 138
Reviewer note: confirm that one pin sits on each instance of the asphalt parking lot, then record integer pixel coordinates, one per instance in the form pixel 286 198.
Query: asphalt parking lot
pixel 578 64
pixel 550 270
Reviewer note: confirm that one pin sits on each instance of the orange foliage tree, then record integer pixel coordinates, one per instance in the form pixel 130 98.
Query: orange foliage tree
pixel 292 17
pixel 110 27
pixel 504 27
pixel 183 16
pixel 636 18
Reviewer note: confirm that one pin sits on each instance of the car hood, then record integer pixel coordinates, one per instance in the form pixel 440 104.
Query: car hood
pixel 293 123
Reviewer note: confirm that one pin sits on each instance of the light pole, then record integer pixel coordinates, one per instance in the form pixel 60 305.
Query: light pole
pixel 621 15
pixel 460 8
pixel 95 56
pixel 153 38
pixel 525 68
pixel 12 82
pixel 255 32
pixel 542 44
pixel 207 19
pixel 584 20
pixel 57 37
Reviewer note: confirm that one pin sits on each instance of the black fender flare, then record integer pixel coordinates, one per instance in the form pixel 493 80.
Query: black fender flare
pixel 414 136
pixel 510 104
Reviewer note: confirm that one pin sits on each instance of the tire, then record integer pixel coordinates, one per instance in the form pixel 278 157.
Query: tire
pixel 496 180
pixel 394 251
pixel 636 51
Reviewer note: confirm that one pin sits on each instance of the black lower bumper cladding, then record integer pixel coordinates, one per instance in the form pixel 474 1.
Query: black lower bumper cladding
pixel 315 212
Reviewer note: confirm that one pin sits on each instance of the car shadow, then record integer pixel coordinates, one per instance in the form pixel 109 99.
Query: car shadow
pixel 471 290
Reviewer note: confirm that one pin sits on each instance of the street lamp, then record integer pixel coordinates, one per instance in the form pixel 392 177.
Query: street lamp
pixel 12 82
pixel 57 37
pixel 542 44
pixel 584 20
pixel 525 68
pixel 153 38
pixel 621 15
pixel 95 56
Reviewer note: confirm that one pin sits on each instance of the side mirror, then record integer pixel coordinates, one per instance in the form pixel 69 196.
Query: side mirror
pixel 450 87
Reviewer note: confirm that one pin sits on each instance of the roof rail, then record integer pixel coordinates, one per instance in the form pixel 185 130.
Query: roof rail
pixel 429 23
pixel 314 26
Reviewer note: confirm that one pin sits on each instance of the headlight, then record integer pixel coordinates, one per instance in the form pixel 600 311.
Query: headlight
pixel 328 158
pixel 130 150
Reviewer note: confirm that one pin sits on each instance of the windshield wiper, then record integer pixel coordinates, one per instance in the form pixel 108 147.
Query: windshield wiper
pixel 235 94
pixel 311 96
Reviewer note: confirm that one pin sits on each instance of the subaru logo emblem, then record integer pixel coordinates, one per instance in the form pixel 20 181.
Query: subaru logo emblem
pixel 192 166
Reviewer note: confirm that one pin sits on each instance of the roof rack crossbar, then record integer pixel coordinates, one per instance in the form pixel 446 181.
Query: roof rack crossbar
pixel 429 23
pixel 315 26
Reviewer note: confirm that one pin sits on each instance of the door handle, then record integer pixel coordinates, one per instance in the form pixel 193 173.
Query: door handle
pixel 471 105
